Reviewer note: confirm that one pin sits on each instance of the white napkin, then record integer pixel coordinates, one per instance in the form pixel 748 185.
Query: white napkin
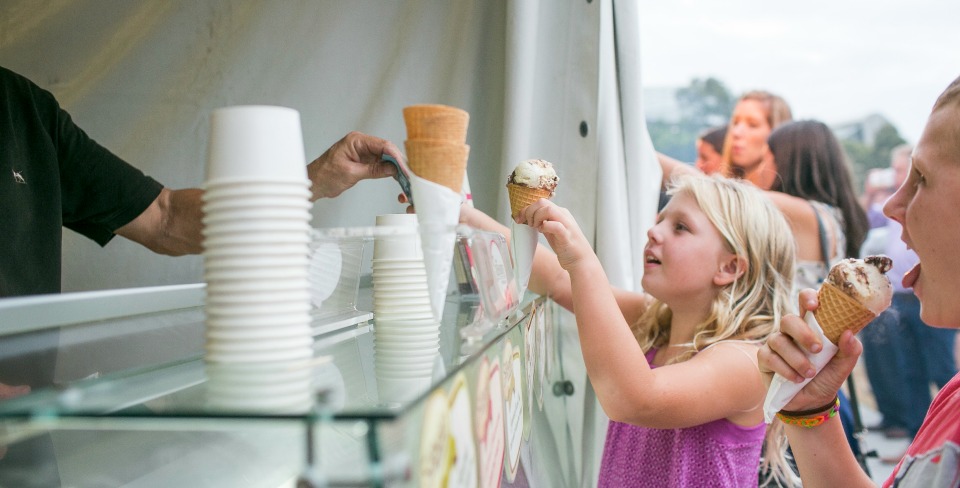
pixel 523 245
pixel 783 390
pixel 438 212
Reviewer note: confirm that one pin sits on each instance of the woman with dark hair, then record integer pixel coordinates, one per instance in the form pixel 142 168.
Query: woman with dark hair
pixel 809 163
pixel 710 150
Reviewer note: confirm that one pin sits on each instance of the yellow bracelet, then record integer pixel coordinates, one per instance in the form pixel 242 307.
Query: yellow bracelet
pixel 810 422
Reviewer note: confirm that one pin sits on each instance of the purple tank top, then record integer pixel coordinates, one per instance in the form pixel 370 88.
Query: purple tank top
pixel 718 453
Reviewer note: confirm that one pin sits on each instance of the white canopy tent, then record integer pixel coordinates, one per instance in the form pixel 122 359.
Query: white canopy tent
pixel 553 80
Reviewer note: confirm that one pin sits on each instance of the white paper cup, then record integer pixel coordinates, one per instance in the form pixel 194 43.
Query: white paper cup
pixel 228 299
pixel 223 330
pixel 385 303
pixel 247 250
pixel 213 191
pixel 219 205
pixel 400 273
pixel 255 142
pixel 397 264
pixel 287 228
pixel 391 287
pixel 407 351
pixel 253 262
pixel 400 295
pixel 400 246
pixel 272 239
pixel 259 356
pixel 397 220
pixel 398 280
pixel 243 214
pixel 262 322
pixel 388 363
pixel 249 310
pixel 258 345
pixel 258 273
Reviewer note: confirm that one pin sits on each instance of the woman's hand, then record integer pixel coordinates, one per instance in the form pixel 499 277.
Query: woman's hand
pixel 561 230
pixel 785 353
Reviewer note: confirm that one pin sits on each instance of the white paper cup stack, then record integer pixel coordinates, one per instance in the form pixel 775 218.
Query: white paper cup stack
pixel 256 238
pixel 406 337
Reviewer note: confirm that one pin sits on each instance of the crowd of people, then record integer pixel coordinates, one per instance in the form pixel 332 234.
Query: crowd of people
pixel 681 367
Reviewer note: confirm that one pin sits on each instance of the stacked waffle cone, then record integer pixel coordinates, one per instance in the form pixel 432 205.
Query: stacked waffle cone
pixel 436 143
pixel 839 312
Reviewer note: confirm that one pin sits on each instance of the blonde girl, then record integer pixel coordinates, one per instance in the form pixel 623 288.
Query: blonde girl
pixel 675 369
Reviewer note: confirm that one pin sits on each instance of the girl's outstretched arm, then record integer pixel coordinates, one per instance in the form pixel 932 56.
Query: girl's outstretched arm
pixel 722 382
pixel 548 278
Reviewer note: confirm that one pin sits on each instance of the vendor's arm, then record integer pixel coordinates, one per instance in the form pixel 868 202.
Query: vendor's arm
pixel 171 225
pixel 822 453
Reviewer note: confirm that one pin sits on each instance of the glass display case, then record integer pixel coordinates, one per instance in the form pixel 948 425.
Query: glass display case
pixel 119 395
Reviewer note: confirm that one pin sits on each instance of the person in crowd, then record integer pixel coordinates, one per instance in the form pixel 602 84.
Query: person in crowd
pixel 881 183
pixel 924 206
pixel 710 150
pixel 672 367
pixel 745 151
pixel 54 175
pixel 903 357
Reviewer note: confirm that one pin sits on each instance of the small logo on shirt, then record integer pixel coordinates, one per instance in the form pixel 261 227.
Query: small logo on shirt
pixel 17 177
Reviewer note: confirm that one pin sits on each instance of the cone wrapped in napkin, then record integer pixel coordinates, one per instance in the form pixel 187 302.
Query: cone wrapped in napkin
pixel 854 293
pixel 530 181
pixel 437 157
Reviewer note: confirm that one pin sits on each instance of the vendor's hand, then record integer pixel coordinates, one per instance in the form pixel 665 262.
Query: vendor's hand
pixel 784 353
pixel 561 230
pixel 355 157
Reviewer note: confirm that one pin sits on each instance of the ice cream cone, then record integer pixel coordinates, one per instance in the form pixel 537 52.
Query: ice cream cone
pixel 439 122
pixel 522 196
pixel 441 162
pixel 839 312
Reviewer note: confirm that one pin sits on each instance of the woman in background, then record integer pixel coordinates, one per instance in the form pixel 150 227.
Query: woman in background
pixel 745 152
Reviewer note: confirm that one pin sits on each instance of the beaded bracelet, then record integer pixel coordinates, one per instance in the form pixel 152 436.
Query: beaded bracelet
pixel 810 422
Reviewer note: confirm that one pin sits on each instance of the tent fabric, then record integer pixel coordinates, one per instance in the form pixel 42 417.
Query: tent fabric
pixel 553 80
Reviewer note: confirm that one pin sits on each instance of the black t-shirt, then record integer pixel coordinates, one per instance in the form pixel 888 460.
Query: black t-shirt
pixel 53 175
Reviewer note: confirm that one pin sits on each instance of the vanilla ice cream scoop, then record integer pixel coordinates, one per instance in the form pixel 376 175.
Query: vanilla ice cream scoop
pixel 865 281
pixel 535 173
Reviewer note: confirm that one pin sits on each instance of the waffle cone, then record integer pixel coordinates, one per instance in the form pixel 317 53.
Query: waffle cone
pixel 522 196
pixel 441 162
pixel 437 122
pixel 839 312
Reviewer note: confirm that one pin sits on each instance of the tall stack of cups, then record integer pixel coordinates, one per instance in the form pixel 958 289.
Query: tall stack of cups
pixel 256 235
pixel 406 336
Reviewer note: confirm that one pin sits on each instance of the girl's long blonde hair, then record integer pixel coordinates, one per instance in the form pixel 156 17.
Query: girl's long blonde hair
pixel 754 229
pixel 751 307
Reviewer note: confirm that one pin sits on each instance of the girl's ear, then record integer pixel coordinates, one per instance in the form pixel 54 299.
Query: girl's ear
pixel 732 268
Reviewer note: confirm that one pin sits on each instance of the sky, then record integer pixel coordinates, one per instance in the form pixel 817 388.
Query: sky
pixel 834 61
